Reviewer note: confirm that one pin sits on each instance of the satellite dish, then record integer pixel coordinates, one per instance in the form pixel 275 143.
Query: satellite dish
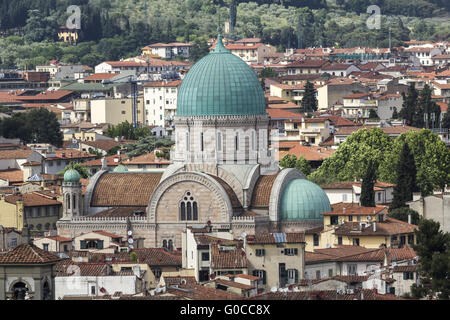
pixel 131 246
pixel 369 218
pixel 243 235
pixel 130 232
pixel 273 289
pixel 130 240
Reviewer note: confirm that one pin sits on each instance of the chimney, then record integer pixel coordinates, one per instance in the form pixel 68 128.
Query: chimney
pixel 409 218
pixel 374 226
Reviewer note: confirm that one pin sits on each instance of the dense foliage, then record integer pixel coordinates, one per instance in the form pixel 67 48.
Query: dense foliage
pixel 403 213
pixel 146 144
pixel 350 161
pixel 82 170
pixel 116 29
pixel 406 179
pixel 367 198
pixel 38 125
pixel 433 249
pixel 126 130
pixel 291 161
pixel 309 100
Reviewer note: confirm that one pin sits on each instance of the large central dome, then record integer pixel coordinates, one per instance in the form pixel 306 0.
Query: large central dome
pixel 220 84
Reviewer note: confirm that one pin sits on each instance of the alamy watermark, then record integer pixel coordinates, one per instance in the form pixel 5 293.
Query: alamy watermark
pixel 74 20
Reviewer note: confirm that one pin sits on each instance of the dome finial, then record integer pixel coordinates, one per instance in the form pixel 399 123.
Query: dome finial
pixel 220 48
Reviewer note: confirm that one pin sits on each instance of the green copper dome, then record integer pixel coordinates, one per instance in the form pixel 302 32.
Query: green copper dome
pixel 71 175
pixel 220 84
pixel 303 200
pixel 120 168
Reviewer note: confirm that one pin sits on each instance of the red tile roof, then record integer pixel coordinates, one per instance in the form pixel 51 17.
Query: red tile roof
pixel 47 95
pixel 282 114
pixel 28 254
pixel 262 190
pixel 311 153
pixel 32 200
pixel 354 209
pixel 228 259
pixel 389 227
pixel 148 158
pixel 125 189
pixel 15 154
pixel 12 175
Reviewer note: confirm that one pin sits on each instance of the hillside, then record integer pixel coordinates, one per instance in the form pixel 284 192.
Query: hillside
pixel 120 28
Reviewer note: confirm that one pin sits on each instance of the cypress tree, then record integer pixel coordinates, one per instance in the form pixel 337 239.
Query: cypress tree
pixel 367 193
pixel 406 179
pixel 309 101
pixel 409 105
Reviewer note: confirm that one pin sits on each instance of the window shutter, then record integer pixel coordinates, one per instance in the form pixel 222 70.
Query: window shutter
pixel 83 244
pixel 100 244
pixel 296 252
pixel 296 275
pixel 263 252
pixel 264 276
pixel 405 275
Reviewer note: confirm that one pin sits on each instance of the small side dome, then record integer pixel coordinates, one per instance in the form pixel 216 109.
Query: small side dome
pixel 120 168
pixel 72 175
pixel 303 200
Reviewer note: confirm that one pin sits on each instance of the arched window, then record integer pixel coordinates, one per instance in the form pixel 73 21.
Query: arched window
pixel 236 142
pixel 254 141
pixel 195 211
pixel 164 244
pixel 39 226
pixel 187 141
pixel 68 201
pixel 47 226
pixel 189 211
pixel 170 245
pixel 219 141
pixel 183 211
pixel 74 202
pixel 188 208
pixel 201 141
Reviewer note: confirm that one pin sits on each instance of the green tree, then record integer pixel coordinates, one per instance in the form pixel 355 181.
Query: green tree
pixel 309 100
pixel 198 50
pixel 446 119
pixel 434 260
pixel 37 125
pixel 133 256
pixel 406 179
pixel 146 145
pixel 403 213
pixel 431 156
pixel 82 170
pixel 367 198
pixel 409 105
pixel 352 158
pixel 394 114
pixel 373 114
pixel 426 106
pixel 291 161
pixel 268 72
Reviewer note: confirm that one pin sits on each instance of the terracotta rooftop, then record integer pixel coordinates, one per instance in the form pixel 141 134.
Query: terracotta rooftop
pixel 176 83
pixel 28 254
pixel 311 153
pixel 111 161
pixel 233 284
pixel 15 154
pixel 105 145
pixel 198 292
pixel 32 200
pixel 389 227
pixel 280 114
pixel 100 76
pixel 262 190
pixel 148 158
pixel 343 208
pixel 119 212
pixel 125 189
pixel 228 259
pixel 12 175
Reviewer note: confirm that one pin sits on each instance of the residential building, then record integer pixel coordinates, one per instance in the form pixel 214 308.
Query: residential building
pixel 424 54
pixel 306 67
pixel 115 111
pixel 53 243
pixel 160 100
pixel 387 104
pixel 168 50
pixel 55 161
pixel 9 238
pixel 27 273
pixel 334 90
pixel 435 207
pixel 147 162
pixel 358 105
pixel 100 241
pixel 276 258
pixel 350 192
pixel 37 211
pixel 340 69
